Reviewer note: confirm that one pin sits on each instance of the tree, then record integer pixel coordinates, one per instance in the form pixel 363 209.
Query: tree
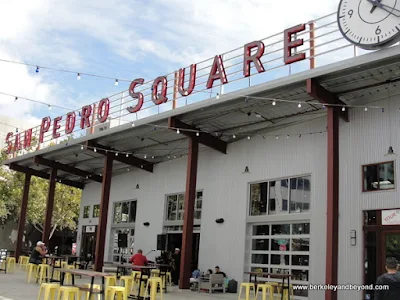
pixel 66 201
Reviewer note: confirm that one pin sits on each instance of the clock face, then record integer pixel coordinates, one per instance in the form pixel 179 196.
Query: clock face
pixel 370 24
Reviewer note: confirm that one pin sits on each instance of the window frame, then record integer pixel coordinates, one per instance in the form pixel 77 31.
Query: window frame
pixel 166 220
pixel 288 212
pixel 377 164
pixel 114 224
pixel 93 216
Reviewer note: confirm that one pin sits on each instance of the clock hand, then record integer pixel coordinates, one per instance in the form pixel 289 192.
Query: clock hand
pixel 384 7
pixel 390 8
pixel 374 5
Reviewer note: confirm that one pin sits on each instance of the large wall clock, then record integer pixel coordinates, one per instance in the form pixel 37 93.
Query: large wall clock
pixel 370 24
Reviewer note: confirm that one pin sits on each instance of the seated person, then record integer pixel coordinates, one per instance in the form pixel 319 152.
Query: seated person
pixel 138 260
pixel 38 252
pixel 209 272
pixel 218 271
pixel 195 276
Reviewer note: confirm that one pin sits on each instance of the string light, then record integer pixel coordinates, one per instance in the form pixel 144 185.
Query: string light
pixel 81 147
pixel 323 106
pixel 78 77
pixel 274 102
pixel 127 155
pixel 248 137
pixel 145 156
pixel 197 133
pixel 366 108
pixel 116 153
pixel 133 124
pixel 299 105
pixel 37 69
pixel 287 136
pixel 277 137
pixel 343 108
pixel 152 157
pixel 234 136
pixel 177 131
pixel 217 97
pixel 16 98
pixel 95 150
pixel 49 107
pixel 116 82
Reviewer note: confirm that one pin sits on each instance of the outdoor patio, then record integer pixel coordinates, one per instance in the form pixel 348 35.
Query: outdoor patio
pixel 14 286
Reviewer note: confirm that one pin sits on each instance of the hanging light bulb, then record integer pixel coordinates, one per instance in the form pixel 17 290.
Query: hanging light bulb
pixel 299 105
pixel 49 107
pixel 287 136
pixel 217 97
pixel 343 108
pixel 274 102
pixel 366 109
pixel 116 82
pixel 81 147
pixel 16 130
pixel 383 110
pixel 234 136
pixel 95 150
pixel 145 156
pixel 78 77
pixel 133 124
pixel 197 133
pixel 16 98
pixel 177 131
pixel 127 170
pixel 277 137
pixel 248 137
pixel 116 153
pixel 323 106
pixel 152 157
pixel 37 69
pixel 127 155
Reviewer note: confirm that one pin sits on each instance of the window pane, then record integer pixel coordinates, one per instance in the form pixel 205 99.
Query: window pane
pixel 370 178
pixel 86 210
pixel 125 212
pixel 261 259
pixel 197 214
pixel 260 244
pixel 258 198
pixel 281 229
pixel 277 243
pixel 303 228
pixel 181 206
pixel 301 245
pixel 279 259
pixel 300 260
pixel 299 196
pixel 386 176
pixel 172 206
pixel 261 230
pixel 278 197
pixel 301 275
pixel 96 211
pixel 117 212
pixel 370 217
pixel 132 212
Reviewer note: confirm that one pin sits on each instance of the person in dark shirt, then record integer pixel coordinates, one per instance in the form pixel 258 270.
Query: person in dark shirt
pixel 38 253
pixel 218 271
pixel 176 266
pixel 390 279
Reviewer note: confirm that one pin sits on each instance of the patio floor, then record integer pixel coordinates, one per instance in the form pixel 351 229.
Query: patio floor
pixel 14 286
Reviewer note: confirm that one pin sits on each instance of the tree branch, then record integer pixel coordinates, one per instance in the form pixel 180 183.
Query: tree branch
pixel 52 231
pixel 37 228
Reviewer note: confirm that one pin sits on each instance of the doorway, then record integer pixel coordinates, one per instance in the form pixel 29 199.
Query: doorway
pixel 380 242
pixel 88 243
pixel 174 240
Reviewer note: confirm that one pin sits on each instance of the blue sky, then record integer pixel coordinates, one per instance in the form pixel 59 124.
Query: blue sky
pixel 124 39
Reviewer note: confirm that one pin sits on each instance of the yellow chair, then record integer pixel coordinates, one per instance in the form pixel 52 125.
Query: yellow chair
pixel 43 273
pixel 248 287
pixel 154 284
pixel 169 278
pixel 10 264
pixel 96 288
pixel 127 282
pixel 285 292
pixel 64 265
pixel 110 280
pixel 68 293
pixel 49 290
pixel 118 291
pixel 32 270
pixel 155 273
pixel 135 281
pixel 264 288
pixel 23 262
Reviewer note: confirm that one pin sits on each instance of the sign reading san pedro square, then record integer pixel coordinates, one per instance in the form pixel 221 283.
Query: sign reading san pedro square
pixel 252 55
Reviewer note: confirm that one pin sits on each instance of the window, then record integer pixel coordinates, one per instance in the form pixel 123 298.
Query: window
pixel 96 211
pixel 176 209
pixel 122 255
pixel 86 211
pixel 282 249
pixel 291 195
pixel 378 176
pixel 125 212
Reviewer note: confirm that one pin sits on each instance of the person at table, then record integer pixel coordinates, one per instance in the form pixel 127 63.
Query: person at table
pixel 218 271
pixel 138 260
pixel 176 266
pixel 38 252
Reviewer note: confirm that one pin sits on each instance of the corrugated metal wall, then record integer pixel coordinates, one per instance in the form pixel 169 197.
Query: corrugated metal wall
pixel 364 140
pixel 225 191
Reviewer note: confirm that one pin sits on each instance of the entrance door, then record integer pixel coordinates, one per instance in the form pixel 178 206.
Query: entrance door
pixel 174 240
pixel 390 246
pixel 88 246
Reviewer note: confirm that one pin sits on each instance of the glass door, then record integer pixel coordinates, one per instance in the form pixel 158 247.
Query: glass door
pixel 391 246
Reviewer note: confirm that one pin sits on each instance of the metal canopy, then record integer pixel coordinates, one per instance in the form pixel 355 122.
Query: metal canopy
pixel 357 81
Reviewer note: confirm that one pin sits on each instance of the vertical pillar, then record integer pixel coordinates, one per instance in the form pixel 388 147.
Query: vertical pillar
pixel 190 197
pixel 49 207
pixel 332 202
pixel 104 203
pixel 22 216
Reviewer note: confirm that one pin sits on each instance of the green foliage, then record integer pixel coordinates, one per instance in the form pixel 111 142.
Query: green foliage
pixel 66 200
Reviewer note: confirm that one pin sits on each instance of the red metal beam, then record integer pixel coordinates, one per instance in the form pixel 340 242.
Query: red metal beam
pixel 203 138
pixel 53 164
pixel 332 210
pixel 49 207
pixel 324 96
pixel 22 216
pixel 131 160
pixel 190 197
pixel 26 170
pixel 104 203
